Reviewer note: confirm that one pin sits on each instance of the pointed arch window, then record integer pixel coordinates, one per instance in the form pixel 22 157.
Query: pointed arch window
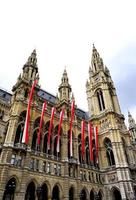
pixel 20 128
pixel 95 66
pixel 79 148
pixel 100 100
pixel 35 134
pixel 109 152
pixel 45 139
pixel 87 151
pixel 10 189
pixel 55 153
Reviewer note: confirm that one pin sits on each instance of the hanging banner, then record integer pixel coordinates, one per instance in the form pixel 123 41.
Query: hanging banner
pixel 25 137
pixel 71 124
pixel 59 130
pixel 50 127
pixel 41 123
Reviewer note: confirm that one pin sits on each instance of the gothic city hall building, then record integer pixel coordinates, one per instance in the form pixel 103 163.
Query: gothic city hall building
pixel 50 149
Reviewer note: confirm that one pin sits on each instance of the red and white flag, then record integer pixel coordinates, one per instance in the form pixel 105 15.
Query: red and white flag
pixel 90 134
pixel 27 120
pixel 59 130
pixel 71 123
pixel 50 127
pixel 41 123
pixel 96 141
pixel 83 138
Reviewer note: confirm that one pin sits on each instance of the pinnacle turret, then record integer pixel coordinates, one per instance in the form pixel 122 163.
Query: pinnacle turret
pixel 30 69
pixel 101 92
pixel 64 87
pixel 96 61
pixel 132 127
pixel 131 121
pixel 32 60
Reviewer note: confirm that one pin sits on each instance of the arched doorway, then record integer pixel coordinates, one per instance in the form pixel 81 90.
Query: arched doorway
pixel 30 192
pixel 83 195
pixel 116 194
pixel 55 193
pixel 91 195
pixel 100 195
pixel 71 193
pixel 10 189
pixel 44 192
pixel 135 191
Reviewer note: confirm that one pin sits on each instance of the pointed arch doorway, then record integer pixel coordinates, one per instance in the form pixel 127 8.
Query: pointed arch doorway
pixel 116 194
pixel 55 193
pixel 10 189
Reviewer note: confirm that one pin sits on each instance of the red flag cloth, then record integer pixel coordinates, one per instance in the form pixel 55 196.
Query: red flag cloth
pixel 71 123
pixel 50 127
pixel 96 141
pixel 26 127
pixel 59 129
pixel 90 134
pixel 97 144
pixel 83 138
pixel 41 123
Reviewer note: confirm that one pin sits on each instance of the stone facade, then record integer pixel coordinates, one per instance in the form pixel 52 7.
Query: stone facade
pixel 32 172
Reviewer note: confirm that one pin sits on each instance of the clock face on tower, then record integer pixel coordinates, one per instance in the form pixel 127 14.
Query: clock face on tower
pixel 96 79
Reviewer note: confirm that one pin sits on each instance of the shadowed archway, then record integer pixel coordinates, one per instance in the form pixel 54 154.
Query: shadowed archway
pixel 55 193
pixel 116 194
pixel 30 191
pixel 10 189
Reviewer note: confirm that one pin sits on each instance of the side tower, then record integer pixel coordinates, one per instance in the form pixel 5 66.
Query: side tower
pixel 20 94
pixel 114 141
pixel 13 151
pixel 64 88
pixel 101 93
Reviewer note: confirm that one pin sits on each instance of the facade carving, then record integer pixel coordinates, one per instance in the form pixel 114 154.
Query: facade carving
pixel 31 172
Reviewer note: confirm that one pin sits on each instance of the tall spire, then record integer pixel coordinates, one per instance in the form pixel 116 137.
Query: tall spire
pixel 64 87
pixel 30 69
pixel 32 60
pixel 101 92
pixel 96 61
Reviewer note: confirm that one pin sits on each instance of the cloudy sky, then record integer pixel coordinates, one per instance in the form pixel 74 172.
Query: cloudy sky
pixel 62 31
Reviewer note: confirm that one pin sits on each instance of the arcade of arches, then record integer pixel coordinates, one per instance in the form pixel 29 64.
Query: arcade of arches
pixel 34 192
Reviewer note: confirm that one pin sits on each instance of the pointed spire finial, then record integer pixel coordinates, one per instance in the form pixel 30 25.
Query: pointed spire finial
pixel 32 59
pixel 94 46
pixel 28 73
pixel 129 113
pixel 64 87
pixel 96 61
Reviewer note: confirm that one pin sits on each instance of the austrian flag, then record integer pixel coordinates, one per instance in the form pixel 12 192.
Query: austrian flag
pixel 71 124
pixel 27 120
pixel 41 122
pixel 90 134
pixel 50 127
pixel 83 138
